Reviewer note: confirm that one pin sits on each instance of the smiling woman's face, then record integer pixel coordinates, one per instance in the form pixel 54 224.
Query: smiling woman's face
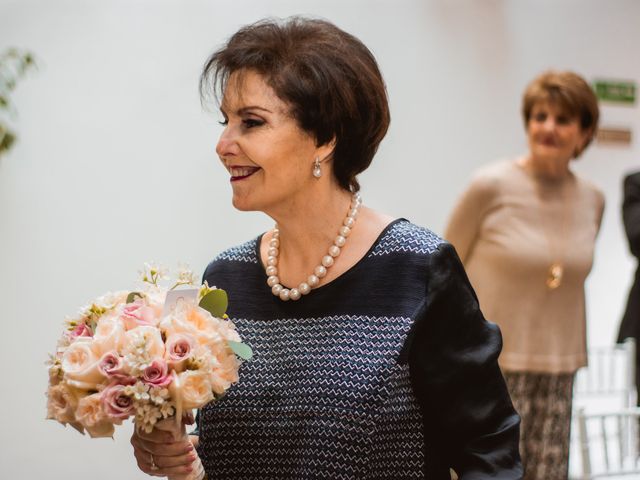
pixel 269 157
pixel 553 134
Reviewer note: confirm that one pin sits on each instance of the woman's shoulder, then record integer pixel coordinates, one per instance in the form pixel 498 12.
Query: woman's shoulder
pixel 245 253
pixel 590 190
pixel 404 237
pixel 490 177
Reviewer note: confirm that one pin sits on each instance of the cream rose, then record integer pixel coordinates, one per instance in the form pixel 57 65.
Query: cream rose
pixel 108 335
pixel 228 330
pixel 225 373
pixel 92 417
pixel 61 403
pixel 192 320
pixel 80 365
pixel 193 388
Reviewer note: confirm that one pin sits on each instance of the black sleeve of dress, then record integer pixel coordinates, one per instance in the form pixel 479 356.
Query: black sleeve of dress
pixel 470 424
pixel 631 212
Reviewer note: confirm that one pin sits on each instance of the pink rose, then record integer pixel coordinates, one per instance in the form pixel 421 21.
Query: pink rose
pixel 112 366
pixel 115 403
pixel 137 314
pixel 179 348
pixel 81 330
pixel 157 374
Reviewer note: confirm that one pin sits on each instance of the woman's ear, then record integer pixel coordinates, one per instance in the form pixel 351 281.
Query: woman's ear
pixel 325 151
pixel 585 137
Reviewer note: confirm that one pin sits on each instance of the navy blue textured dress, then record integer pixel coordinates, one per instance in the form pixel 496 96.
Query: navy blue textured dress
pixel 388 371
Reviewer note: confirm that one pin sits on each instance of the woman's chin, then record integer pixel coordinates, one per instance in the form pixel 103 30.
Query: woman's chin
pixel 243 204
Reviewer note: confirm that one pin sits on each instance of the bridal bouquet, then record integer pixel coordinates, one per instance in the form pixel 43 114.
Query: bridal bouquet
pixel 149 354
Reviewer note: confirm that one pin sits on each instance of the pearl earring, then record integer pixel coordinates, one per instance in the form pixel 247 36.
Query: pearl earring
pixel 316 168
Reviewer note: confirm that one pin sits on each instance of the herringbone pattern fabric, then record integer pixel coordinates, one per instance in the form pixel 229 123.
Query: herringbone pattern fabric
pixel 325 395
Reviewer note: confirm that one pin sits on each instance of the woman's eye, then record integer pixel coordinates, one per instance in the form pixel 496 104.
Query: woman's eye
pixel 252 122
pixel 540 117
pixel 562 120
pixel 224 122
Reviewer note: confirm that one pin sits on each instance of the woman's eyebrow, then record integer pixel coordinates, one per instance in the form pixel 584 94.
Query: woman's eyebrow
pixel 253 107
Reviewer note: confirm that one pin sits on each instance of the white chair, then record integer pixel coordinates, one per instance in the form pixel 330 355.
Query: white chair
pixel 606 385
pixel 609 444
pixel 608 382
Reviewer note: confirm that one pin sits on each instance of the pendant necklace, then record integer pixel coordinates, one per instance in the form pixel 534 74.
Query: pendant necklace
pixel 555 271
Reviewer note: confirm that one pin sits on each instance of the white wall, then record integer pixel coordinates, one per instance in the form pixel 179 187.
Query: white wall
pixel 115 163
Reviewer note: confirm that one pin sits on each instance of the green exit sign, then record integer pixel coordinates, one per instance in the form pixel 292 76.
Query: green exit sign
pixel 615 91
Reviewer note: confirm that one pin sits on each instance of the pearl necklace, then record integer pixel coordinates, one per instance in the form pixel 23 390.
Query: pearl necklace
pixel 320 271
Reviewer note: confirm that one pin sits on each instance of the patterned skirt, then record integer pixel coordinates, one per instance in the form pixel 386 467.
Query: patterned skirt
pixel 543 401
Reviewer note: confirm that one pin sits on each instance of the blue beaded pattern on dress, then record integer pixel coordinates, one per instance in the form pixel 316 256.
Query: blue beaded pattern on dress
pixel 242 253
pixel 407 237
pixel 338 407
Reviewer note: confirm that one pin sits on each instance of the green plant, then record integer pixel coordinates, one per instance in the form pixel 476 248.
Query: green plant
pixel 13 66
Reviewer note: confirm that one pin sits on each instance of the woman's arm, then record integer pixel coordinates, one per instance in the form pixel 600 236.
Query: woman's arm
pixel 470 423
pixel 465 221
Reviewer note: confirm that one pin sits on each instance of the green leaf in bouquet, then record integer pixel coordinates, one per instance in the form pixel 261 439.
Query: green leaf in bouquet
pixel 241 349
pixel 215 302
pixel 132 297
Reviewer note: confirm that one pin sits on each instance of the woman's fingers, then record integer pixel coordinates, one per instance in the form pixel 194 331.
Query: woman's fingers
pixel 155 436
pixel 157 454
pixel 168 462
pixel 144 461
pixel 168 449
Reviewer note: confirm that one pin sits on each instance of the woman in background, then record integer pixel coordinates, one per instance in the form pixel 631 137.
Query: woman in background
pixel 355 318
pixel 525 230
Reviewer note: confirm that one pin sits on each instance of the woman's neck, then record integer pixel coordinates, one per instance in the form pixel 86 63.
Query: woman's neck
pixel 545 168
pixel 307 228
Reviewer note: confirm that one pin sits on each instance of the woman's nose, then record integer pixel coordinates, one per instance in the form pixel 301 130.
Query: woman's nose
pixel 227 144
pixel 550 124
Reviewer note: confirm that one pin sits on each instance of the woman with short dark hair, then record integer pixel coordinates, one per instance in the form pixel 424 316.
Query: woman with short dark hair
pixel 371 356
pixel 525 230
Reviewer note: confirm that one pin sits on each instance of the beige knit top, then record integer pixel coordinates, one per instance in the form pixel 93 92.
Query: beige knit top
pixel 509 227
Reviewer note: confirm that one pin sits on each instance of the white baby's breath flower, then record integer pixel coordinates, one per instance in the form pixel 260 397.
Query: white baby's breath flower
pixel 139 391
pixel 185 275
pixel 148 416
pixel 111 300
pixel 167 409
pixel 153 273
pixel 158 395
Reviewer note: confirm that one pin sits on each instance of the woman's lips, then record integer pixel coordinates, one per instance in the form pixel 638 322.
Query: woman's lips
pixel 240 173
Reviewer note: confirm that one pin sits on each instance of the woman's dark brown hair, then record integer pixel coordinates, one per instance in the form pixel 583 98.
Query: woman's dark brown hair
pixel 570 92
pixel 329 79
